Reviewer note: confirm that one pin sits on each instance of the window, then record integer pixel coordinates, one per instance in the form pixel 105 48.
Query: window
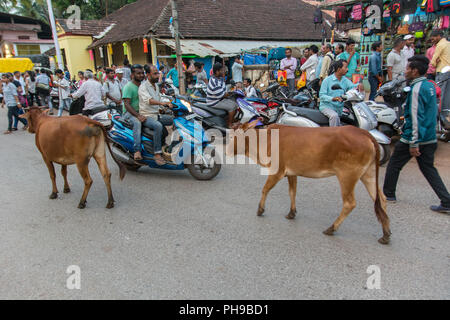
pixel 27 49
pixel 24 37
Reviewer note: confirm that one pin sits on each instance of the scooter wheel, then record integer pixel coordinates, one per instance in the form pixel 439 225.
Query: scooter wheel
pixel 201 172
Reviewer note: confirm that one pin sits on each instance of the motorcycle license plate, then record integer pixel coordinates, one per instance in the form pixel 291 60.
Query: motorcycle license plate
pixel 190 116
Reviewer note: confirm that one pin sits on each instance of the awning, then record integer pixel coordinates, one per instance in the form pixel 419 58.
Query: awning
pixel 226 48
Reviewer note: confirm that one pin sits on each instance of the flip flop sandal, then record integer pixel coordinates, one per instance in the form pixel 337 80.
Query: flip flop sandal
pixel 7 132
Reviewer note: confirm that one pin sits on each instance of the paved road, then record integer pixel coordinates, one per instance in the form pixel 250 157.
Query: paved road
pixel 172 237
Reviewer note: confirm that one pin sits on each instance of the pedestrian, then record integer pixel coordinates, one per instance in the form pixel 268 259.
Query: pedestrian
pixel 81 77
pixel 375 72
pixel 126 69
pixel 305 57
pixel 311 64
pixel 66 74
pixel 419 135
pixel 120 79
pixel 431 72
pixel 112 90
pixel 43 88
pixel 394 62
pixel 202 78
pixel 100 74
pixel 407 50
pixel 237 69
pixel 173 74
pixel 18 77
pixel 326 62
pixel 11 100
pixel 441 58
pixel 338 50
pixel 63 86
pixel 30 84
pixel 289 64
pixel 92 91
pixel 351 56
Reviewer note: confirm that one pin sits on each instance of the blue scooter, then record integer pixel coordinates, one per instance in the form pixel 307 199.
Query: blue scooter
pixel 189 149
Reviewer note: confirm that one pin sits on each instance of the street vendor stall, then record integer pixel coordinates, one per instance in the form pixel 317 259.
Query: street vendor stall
pixel 15 64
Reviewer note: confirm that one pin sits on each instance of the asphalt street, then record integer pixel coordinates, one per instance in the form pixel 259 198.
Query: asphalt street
pixel 172 237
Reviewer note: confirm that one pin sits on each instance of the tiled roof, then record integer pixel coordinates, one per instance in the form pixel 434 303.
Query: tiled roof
pixel 87 27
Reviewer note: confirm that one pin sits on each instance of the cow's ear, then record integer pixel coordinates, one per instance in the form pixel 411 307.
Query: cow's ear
pixel 45 112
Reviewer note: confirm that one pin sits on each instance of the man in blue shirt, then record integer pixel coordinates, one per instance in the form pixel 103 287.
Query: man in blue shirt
pixel 331 103
pixel 419 135
pixel 173 74
pixel 351 56
pixel 375 71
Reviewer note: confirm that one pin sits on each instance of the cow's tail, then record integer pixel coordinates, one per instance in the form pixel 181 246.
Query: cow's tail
pixel 379 211
pixel 122 168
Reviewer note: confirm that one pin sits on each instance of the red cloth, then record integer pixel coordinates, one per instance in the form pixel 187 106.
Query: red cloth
pixel 429 55
pixel 303 60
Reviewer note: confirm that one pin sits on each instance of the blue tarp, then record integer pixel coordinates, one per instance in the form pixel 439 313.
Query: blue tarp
pixel 250 59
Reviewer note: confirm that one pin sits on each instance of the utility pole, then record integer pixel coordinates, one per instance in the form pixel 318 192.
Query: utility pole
pixel 55 35
pixel 180 68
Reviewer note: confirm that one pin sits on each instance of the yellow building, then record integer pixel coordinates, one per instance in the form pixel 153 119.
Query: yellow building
pixel 74 41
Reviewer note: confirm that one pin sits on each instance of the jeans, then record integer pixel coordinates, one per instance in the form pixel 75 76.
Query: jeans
pixel 291 85
pixel 373 81
pixel 401 156
pixel 16 119
pixel 63 102
pixel 13 111
pixel 333 117
pixel 152 124
pixel 32 97
pixel 445 88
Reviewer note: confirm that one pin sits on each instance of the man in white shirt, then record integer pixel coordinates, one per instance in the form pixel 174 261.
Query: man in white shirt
pixel 237 69
pixel 92 91
pixel 18 77
pixel 250 91
pixel 394 61
pixel 63 86
pixel 408 50
pixel 120 79
pixel 112 91
pixel 311 64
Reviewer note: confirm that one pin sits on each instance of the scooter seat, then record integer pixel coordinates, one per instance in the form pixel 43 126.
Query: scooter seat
pixel 125 123
pixel 312 114
pixel 214 111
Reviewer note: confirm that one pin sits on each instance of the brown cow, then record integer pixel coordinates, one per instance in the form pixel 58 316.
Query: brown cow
pixel 348 152
pixel 72 140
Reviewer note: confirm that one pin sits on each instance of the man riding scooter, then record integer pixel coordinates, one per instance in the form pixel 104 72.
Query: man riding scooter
pixel 132 113
pixel 331 102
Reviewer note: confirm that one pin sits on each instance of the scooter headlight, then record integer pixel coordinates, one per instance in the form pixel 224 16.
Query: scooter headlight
pixel 187 105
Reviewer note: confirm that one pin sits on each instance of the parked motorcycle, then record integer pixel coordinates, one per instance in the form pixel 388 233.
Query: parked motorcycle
pixel 355 113
pixel 390 112
pixel 191 137
pixel 213 118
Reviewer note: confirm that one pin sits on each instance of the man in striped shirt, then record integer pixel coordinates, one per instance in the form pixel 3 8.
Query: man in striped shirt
pixel 216 93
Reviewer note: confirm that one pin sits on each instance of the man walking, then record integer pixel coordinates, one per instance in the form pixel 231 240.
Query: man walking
pixel 441 58
pixel 394 61
pixel 289 64
pixel 407 50
pixel 63 86
pixel 120 79
pixel 236 69
pixel 375 71
pixel 419 135
pixel 112 90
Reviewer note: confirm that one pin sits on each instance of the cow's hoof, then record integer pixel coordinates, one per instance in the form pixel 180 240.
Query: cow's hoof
pixel 385 238
pixel 260 212
pixel 329 231
pixel 291 214
pixel 82 205
pixel 110 205
pixel 54 195
pixel 66 190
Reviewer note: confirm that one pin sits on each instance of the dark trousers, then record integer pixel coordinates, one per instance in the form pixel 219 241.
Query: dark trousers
pixel 13 111
pixel 291 85
pixel 373 81
pixel 401 156
pixel 16 119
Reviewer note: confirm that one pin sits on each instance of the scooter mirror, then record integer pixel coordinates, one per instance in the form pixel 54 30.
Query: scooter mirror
pixel 446 69
pixel 407 89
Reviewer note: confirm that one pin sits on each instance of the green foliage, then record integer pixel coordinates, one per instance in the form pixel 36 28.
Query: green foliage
pixel 90 9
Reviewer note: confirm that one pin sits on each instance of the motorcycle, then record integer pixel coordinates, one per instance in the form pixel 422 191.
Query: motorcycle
pixel 213 118
pixel 444 113
pixel 355 113
pixel 198 155
pixel 389 113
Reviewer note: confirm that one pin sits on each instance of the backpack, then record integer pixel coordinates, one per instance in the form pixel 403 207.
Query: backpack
pixel 341 14
pixel 433 6
pixel 396 8
pixel 357 12
pixel 317 17
pixel 409 6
